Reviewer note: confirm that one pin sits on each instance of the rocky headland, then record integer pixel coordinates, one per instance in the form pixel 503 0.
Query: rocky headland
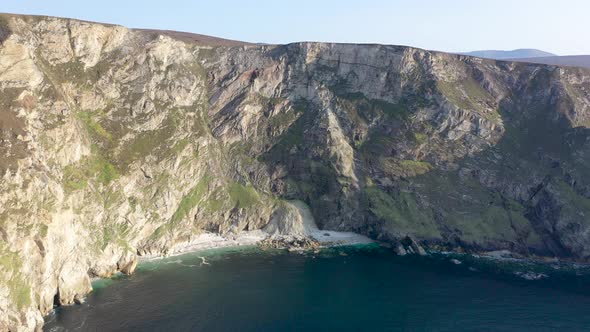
pixel 118 143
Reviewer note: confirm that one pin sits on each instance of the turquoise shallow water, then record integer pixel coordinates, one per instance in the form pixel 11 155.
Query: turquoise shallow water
pixel 348 289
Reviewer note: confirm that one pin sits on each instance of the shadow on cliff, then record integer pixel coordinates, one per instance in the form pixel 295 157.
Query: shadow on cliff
pixel 529 168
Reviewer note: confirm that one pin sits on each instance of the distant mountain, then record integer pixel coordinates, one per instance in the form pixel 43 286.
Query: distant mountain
pixel 534 56
pixel 567 60
pixel 514 54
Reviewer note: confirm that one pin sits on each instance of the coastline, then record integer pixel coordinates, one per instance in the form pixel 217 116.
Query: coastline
pixel 234 280
pixel 309 232
pixel 498 263
pixel 207 241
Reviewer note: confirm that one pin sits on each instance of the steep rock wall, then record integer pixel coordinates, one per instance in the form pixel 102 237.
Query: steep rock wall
pixel 117 143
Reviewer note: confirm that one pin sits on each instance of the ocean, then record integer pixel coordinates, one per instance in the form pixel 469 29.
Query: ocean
pixel 340 289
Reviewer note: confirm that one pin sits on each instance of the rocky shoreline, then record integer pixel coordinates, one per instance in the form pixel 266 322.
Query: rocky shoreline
pixel 305 245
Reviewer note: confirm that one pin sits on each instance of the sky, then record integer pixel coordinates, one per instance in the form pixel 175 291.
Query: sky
pixel 559 27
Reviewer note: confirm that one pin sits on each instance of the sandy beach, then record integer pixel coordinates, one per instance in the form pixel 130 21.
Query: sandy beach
pixel 207 241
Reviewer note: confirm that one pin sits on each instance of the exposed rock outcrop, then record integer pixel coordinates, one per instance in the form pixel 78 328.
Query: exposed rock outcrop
pixel 116 143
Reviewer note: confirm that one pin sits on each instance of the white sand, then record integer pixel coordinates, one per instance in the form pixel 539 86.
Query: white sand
pixel 329 238
pixel 213 241
pixel 207 241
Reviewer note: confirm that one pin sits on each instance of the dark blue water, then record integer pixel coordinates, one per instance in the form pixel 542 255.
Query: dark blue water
pixel 337 290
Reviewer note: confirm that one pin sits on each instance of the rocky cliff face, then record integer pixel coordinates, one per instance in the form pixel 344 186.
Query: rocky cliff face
pixel 116 143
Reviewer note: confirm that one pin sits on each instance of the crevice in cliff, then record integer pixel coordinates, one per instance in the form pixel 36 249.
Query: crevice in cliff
pixel 539 187
pixel 56 299
pixel 542 216
pixel 521 238
pixel 70 38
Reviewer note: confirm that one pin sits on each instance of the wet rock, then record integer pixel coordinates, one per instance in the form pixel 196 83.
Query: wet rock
pixel 129 268
pixel 413 247
pixel 78 299
pixel 399 250
pixel 289 243
pixel 531 275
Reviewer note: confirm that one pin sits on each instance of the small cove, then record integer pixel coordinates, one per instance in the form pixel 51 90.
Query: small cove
pixel 346 289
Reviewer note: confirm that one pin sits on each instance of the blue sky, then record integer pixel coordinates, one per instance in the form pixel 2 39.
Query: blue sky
pixel 560 27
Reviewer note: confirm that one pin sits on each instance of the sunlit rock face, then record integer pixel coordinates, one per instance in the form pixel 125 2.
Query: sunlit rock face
pixel 116 143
